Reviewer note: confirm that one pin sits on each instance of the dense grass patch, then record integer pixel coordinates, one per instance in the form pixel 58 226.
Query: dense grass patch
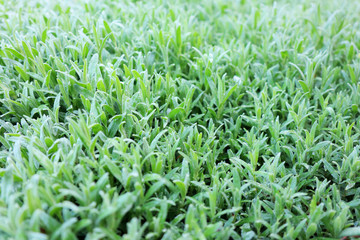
pixel 179 119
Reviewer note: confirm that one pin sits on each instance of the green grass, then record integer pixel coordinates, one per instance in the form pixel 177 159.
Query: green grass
pixel 179 119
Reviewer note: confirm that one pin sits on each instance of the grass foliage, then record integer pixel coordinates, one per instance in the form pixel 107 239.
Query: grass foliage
pixel 179 119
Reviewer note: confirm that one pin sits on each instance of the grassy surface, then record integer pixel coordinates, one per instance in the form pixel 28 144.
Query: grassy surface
pixel 179 119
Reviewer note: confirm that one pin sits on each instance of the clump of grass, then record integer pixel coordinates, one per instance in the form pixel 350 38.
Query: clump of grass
pixel 179 119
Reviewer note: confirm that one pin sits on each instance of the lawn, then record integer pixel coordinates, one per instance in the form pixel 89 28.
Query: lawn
pixel 179 119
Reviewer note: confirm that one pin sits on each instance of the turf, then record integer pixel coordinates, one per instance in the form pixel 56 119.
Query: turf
pixel 179 119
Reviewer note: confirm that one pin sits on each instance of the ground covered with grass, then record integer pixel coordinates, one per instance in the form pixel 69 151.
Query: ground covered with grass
pixel 179 119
